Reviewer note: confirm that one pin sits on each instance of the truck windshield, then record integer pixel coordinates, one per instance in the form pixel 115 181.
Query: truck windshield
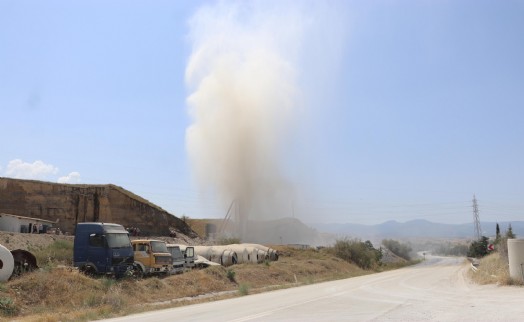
pixel 159 247
pixel 118 240
pixel 175 252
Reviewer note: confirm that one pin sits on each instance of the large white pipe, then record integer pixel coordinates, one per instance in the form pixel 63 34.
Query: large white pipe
pixel 7 263
pixel 217 254
pixel 241 251
pixel 262 256
pixel 516 258
pixel 236 253
pixel 229 258
pixel 253 254
pixel 271 253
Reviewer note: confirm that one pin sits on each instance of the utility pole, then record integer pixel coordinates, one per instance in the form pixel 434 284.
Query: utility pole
pixel 476 220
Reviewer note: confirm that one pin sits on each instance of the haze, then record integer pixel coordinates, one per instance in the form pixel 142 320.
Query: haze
pixel 336 112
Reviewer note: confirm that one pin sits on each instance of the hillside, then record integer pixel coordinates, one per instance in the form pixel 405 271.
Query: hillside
pixel 415 229
pixel 68 204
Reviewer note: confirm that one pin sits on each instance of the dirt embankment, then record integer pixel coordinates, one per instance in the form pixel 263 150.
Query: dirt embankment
pixel 58 293
pixel 29 242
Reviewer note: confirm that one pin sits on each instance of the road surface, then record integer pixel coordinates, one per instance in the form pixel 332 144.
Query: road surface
pixel 435 290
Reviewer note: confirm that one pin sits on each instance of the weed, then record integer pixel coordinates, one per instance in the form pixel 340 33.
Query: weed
pixel 309 280
pixel 155 283
pixel 492 270
pixel 115 299
pixel 92 300
pixel 231 275
pixel 8 307
pixel 243 289
pixel 107 283
pixel 59 252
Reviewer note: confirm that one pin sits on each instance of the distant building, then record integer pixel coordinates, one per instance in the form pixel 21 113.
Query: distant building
pixel 21 224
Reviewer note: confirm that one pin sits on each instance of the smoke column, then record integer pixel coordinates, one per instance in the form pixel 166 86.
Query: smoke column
pixel 244 102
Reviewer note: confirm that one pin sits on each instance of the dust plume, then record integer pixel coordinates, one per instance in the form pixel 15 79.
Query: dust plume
pixel 245 102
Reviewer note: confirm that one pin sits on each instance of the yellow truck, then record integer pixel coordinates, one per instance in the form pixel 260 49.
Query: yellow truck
pixel 151 257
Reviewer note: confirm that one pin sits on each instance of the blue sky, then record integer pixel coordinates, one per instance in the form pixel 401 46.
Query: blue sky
pixel 403 109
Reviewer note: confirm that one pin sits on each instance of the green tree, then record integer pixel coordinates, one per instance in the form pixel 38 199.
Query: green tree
pixel 509 233
pixel 479 248
pixel 497 234
pixel 378 252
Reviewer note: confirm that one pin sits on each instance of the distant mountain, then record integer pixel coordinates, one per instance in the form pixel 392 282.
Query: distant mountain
pixel 416 228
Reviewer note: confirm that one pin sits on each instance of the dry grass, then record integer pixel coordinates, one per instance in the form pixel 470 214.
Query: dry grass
pixel 58 294
pixel 493 269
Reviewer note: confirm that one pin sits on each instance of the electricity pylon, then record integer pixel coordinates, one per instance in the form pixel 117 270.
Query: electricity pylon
pixel 476 220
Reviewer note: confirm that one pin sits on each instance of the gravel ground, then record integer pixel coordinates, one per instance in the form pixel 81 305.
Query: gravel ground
pixel 14 241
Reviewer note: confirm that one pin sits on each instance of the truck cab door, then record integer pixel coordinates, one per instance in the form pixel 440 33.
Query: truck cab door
pixel 97 252
pixel 142 253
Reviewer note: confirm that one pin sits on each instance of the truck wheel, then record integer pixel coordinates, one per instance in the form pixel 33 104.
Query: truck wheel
pixel 137 271
pixel 88 270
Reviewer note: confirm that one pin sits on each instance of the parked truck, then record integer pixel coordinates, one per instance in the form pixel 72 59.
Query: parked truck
pixel 189 256
pixel 178 259
pixel 151 257
pixel 102 248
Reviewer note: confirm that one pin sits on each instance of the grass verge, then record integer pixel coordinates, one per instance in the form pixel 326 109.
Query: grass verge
pixel 492 269
pixel 64 294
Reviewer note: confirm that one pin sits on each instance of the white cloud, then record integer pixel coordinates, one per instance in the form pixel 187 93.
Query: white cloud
pixel 73 177
pixel 38 170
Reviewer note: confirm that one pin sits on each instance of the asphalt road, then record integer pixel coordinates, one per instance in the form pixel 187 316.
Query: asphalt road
pixel 435 290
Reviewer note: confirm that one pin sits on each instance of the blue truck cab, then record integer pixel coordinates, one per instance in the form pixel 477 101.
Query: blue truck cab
pixel 102 248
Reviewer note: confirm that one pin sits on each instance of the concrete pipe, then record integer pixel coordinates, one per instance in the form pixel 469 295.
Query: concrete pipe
pixel 272 253
pixel 7 263
pixel 262 256
pixel 204 251
pixel 24 262
pixel 217 254
pixel 516 258
pixel 229 258
pixel 253 254
pixel 241 251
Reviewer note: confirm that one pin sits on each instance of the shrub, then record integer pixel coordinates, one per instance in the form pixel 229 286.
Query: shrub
pixel 231 275
pixel 8 307
pixel 363 254
pixel 479 248
pixel 243 289
pixel 399 249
